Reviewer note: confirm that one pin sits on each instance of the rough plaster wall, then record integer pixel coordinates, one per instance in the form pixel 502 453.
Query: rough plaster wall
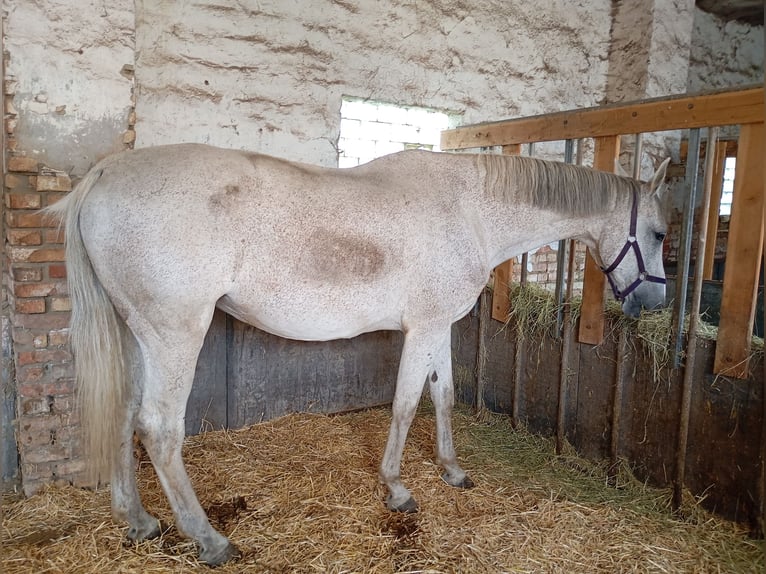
pixel 269 75
pixel 66 59
pixel 724 54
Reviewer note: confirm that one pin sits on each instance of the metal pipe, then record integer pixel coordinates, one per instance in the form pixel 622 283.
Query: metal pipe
pixel 691 344
pixel 564 317
pixel 637 151
pixel 561 256
pixel 684 248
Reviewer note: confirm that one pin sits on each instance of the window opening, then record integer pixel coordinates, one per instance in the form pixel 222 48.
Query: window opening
pixel 728 186
pixel 371 129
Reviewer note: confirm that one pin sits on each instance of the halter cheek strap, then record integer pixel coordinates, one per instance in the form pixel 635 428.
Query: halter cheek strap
pixel 631 243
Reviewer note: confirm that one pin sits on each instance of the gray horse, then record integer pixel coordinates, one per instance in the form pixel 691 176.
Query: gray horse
pixel 157 238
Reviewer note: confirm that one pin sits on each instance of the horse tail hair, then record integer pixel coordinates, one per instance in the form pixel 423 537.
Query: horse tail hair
pixel 99 341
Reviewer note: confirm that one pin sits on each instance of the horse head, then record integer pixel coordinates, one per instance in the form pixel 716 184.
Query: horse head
pixel 631 253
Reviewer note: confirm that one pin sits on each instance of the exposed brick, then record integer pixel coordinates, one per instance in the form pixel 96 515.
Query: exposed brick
pixel 24 164
pixel 47 321
pixel 129 137
pixel 55 235
pixel 23 274
pixel 13 181
pixel 30 306
pixel 23 201
pixel 58 337
pixel 63 404
pixel 29 374
pixel 42 289
pixel 42 356
pixel 30 406
pixel 29 219
pixel 42 388
pixel 47 454
pixel 35 254
pixel 51 198
pixel 23 336
pixel 24 237
pixel 61 304
pixel 40 342
pixel 55 182
pixel 57 271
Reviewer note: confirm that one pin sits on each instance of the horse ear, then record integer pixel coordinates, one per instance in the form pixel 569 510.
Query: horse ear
pixel 658 179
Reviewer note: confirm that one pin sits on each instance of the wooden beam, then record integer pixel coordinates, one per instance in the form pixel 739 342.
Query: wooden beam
pixel 715 208
pixel 606 153
pixel 655 115
pixel 743 258
pixel 501 300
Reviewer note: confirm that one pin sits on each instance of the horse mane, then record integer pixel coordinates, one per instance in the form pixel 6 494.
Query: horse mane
pixel 556 186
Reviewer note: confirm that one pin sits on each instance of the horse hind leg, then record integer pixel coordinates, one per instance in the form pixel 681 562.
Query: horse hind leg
pixel 169 373
pixel 126 502
pixel 443 398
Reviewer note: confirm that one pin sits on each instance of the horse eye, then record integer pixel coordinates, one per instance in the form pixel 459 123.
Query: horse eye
pixel 659 237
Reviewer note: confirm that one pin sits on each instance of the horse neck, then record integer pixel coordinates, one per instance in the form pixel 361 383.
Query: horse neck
pixel 511 229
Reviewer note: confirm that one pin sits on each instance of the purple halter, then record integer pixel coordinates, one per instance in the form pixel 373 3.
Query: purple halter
pixel 631 243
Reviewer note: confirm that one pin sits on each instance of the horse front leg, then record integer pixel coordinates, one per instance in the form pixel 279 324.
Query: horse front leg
pixel 443 397
pixel 416 362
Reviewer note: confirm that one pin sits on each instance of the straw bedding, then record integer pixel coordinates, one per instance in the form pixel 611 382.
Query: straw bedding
pixel 300 494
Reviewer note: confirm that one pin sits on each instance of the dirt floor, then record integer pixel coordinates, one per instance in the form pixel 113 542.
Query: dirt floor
pixel 300 494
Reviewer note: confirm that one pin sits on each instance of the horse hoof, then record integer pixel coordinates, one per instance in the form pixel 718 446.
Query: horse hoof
pixel 213 559
pixel 465 482
pixel 409 506
pixel 144 532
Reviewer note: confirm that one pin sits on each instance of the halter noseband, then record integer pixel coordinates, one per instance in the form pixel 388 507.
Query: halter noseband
pixel 631 243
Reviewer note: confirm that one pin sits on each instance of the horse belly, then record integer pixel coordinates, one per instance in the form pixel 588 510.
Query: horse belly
pixel 309 316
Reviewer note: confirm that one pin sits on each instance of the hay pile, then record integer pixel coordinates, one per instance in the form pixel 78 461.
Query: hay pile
pixel 300 494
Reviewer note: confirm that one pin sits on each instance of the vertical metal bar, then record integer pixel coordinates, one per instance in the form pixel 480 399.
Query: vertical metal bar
pixel 637 152
pixel 561 256
pixel 566 318
pixel 684 248
pixel 519 355
pixel 691 344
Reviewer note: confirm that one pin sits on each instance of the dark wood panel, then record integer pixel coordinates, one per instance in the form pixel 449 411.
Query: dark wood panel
pixel 592 430
pixel 650 420
pixel 501 347
pixel 723 451
pixel 206 409
pixel 270 376
pixel 465 341
pixel 539 397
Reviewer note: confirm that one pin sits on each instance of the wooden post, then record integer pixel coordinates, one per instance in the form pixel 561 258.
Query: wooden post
pixel 715 206
pixel 501 301
pixel 743 259
pixel 607 152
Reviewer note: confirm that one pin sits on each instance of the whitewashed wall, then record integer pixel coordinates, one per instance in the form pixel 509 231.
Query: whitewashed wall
pixel 269 75
pixel 724 54
pixel 69 65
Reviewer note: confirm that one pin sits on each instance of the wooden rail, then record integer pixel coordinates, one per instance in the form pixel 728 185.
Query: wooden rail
pixel 743 107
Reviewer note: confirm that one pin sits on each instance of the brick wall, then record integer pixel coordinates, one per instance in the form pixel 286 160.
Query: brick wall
pixel 541 267
pixel 46 424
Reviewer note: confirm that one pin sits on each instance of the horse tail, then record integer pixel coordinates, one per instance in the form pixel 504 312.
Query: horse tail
pixel 99 341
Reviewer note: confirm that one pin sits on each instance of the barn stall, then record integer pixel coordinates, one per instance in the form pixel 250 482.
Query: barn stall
pixel 246 376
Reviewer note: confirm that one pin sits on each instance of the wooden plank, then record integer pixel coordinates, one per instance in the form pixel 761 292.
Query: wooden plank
pixel 606 153
pixel 501 300
pixel 270 376
pixel 715 208
pixel 660 114
pixel 206 408
pixel 743 258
